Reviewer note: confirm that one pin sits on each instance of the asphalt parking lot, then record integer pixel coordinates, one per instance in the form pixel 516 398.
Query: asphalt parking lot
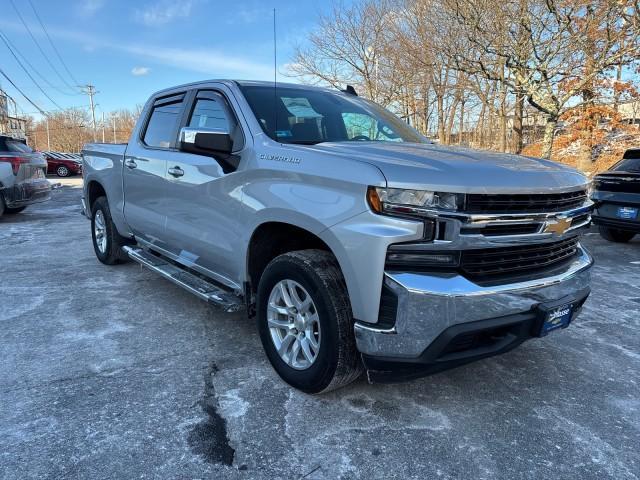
pixel 113 372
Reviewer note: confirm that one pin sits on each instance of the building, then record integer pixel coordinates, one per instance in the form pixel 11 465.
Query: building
pixel 10 125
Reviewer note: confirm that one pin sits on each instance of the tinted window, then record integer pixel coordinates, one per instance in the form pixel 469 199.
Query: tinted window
pixel 309 116
pixel 163 124
pixel 630 162
pixel 213 112
pixel 14 146
pixel 18 147
pixel 209 114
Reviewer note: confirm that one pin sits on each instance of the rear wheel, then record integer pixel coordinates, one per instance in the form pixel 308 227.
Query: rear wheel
pixel 62 171
pixel 615 235
pixel 107 242
pixel 305 322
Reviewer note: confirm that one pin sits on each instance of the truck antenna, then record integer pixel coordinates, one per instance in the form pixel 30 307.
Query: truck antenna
pixel 275 80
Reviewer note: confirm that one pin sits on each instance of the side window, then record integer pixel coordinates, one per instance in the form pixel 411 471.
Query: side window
pixel 211 111
pixel 209 114
pixel 162 127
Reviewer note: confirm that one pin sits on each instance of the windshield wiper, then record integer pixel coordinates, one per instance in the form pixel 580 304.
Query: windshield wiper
pixel 304 142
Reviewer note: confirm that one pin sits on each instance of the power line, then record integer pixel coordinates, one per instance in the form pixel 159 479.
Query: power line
pixel 52 44
pixel 35 70
pixel 41 111
pixel 38 45
pixel 27 72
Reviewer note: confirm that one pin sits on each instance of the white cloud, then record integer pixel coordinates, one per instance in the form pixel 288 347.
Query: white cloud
pixel 163 12
pixel 89 8
pixel 212 63
pixel 140 71
pixel 200 60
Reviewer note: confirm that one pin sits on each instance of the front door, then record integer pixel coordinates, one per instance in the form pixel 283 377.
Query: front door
pixel 145 168
pixel 203 208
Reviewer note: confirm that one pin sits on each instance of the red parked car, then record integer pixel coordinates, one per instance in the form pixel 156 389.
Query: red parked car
pixel 63 164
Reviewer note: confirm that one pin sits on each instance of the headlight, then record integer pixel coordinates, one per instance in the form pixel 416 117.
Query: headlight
pixel 406 202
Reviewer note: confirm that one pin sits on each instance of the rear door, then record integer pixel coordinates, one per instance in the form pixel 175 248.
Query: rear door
pixel 203 212
pixel 145 166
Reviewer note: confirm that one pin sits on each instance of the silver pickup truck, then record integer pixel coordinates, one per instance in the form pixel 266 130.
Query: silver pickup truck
pixel 355 242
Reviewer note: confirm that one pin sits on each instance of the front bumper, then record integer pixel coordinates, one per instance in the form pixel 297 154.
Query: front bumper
pixel 431 304
pixel 26 193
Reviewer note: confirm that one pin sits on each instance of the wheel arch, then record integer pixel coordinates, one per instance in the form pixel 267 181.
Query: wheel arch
pixel 270 239
pixel 95 190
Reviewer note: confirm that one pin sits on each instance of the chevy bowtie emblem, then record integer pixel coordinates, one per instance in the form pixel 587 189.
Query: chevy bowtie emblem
pixel 559 226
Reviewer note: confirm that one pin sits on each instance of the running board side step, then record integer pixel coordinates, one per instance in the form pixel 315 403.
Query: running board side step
pixel 201 288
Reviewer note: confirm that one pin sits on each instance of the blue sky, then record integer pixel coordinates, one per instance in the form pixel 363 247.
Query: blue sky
pixel 128 49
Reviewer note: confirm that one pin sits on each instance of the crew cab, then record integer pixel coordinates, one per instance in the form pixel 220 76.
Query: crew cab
pixel 355 242
pixel 616 194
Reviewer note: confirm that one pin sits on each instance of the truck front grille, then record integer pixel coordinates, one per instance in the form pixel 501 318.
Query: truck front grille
pixel 516 203
pixel 618 183
pixel 495 263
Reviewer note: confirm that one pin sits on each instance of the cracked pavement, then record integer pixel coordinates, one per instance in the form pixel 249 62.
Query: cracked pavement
pixel 113 372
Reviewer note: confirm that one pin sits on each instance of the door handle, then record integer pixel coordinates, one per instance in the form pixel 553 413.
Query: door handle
pixel 130 163
pixel 176 171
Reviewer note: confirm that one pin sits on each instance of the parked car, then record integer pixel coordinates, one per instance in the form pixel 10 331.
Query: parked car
pixel 354 241
pixel 22 176
pixel 616 194
pixel 63 164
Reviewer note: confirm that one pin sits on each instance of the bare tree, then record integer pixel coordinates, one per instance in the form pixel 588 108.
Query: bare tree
pixel 544 46
pixel 348 47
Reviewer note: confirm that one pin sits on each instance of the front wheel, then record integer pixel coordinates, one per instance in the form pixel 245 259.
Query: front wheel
pixel 107 242
pixel 305 321
pixel 62 171
pixel 615 235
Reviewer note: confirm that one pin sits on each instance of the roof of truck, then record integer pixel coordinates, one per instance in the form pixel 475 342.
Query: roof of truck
pixel 242 83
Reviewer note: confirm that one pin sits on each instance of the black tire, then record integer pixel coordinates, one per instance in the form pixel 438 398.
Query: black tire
pixel 2 207
pixel 14 210
pixel 338 362
pixel 615 235
pixel 112 253
pixel 62 171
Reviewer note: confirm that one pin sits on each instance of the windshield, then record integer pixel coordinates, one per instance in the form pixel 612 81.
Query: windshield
pixel 630 162
pixel 15 146
pixel 313 116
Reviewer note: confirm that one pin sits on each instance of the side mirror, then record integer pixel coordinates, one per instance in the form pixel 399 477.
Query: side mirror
pixel 205 141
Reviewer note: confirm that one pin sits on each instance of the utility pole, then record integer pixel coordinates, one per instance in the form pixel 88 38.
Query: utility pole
pixel 103 128
pixel 113 118
pixel 90 90
pixel 48 136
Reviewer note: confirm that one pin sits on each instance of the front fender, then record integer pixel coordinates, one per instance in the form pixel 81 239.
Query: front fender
pixel 360 244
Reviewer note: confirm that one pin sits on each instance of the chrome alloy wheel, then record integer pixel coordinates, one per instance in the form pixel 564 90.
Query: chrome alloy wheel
pixel 100 231
pixel 294 324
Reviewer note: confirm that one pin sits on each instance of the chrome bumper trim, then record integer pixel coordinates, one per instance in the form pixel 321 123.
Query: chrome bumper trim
pixel 430 303
pixel 481 219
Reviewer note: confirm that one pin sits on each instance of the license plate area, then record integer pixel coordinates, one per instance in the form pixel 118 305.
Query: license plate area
pixel 627 213
pixel 554 317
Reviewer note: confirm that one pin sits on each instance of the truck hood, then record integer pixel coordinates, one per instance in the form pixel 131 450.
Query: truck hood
pixel 460 170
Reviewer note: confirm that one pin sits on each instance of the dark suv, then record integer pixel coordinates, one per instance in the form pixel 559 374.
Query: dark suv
pixel 617 198
pixel 22 176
